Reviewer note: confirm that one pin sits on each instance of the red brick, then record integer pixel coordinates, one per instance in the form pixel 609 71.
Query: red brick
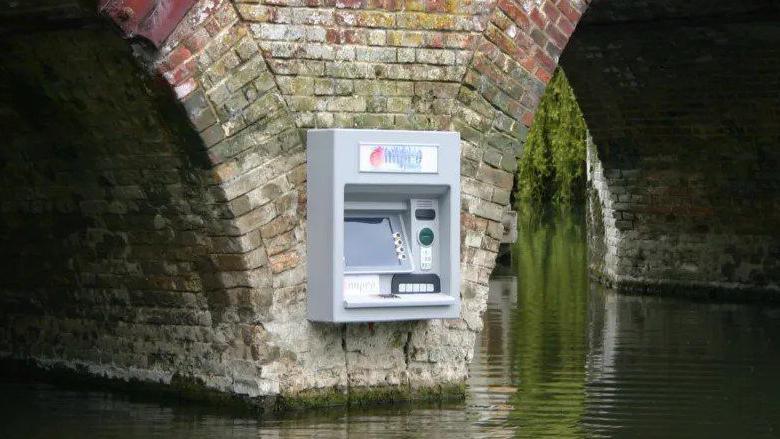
pixel 545 61
pixel 565 26
pixel 527 119
pixel 552 12
pixel 488 69
pixel 435 6
pixel 543 75
pixel 177 56
pixel 538 19
pixel 517 15
pixel 341 36
pixel 437 41
pixel 528 63
pixel 572 14
pixel 386 5
pixel 558 38
pixel 459 41
pixel 500 39
pixel 212 26
pixel 182 72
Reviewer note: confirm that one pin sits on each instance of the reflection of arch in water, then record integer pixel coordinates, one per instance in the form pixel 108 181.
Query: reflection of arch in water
pixel 549 326
pixel 603 330
pixel 658 365
pixel 491 373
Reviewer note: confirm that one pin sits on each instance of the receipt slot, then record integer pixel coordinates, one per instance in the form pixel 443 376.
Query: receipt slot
pixel 383 225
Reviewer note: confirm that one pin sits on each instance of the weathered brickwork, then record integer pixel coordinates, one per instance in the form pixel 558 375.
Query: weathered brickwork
pixel 684 171
pixel 193 263
pixel 413 65
pixel 102 221
pixel 139 245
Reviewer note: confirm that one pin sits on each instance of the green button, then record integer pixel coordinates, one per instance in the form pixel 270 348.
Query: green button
pixel 426 236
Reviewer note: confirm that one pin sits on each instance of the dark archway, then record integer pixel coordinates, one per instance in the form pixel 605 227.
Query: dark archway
pixel 117 252
pixel 681 99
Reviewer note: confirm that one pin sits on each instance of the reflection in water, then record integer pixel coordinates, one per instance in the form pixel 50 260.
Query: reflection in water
pixel 656 366
pixel 558 357
pixel 550 326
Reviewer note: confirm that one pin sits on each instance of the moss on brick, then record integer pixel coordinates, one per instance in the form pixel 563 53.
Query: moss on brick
pixel 359 396
pixel 441 392
pixel 190 389
pixel 367 396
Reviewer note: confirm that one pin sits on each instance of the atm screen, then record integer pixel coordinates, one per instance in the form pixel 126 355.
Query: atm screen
pixel 369 242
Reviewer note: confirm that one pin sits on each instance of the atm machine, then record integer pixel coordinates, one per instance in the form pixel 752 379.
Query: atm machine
pixel 383 225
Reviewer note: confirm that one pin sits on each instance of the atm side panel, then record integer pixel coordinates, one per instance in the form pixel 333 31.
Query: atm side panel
pixel 319 225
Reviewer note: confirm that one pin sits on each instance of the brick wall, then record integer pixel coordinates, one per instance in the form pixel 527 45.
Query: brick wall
pixel 685 189
pixel 115 258
pixel 218 236
pixel 476 67
pixel 144 238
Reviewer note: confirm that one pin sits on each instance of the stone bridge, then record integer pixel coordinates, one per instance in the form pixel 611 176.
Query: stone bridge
pixel 152 204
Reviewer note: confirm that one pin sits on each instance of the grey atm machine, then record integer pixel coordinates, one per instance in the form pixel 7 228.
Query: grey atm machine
pixel 383 236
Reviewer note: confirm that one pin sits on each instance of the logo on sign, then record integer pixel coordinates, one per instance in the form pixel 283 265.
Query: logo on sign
pixel 361 284
pixel 398 158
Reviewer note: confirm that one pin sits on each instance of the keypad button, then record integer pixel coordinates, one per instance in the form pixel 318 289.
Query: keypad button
pixel 428 288
pixel 401 288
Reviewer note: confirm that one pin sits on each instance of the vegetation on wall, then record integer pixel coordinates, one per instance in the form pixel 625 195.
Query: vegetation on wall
pixel 552 167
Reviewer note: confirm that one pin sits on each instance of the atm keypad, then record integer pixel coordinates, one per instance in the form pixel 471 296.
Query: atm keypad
pixel 415 288
pixel 415 283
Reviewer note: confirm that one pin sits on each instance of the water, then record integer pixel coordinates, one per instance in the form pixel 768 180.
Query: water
pixel 559 357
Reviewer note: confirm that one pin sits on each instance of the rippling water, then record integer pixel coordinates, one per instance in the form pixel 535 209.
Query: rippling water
pixel 558 357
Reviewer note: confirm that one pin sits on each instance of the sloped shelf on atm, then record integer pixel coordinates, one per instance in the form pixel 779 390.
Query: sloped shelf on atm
pixel 398 300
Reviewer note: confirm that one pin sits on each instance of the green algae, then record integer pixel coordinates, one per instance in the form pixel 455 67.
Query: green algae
pixel 368 396
pixel 194 390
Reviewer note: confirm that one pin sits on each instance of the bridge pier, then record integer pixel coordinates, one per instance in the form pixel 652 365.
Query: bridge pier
pixel 152 223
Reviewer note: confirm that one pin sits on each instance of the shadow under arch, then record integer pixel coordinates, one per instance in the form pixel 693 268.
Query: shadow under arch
pixel 680 99
pixel 110 222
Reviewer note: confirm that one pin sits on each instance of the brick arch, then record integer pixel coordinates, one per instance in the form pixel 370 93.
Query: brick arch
pixel 106 219
pixel 682 169
pixel 251 76
pixel 254 75
pixel 121 254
